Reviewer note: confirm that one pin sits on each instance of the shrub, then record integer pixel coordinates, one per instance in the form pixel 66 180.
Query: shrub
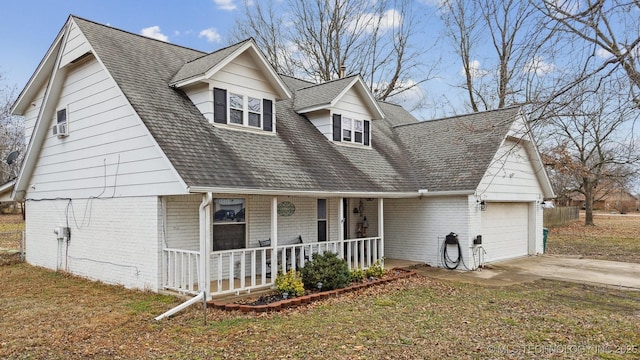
pixel 356 275
pixel 327 269
pixel 376 270
pixel 289 283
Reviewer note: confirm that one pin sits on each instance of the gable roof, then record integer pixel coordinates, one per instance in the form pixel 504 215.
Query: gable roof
pixel 297 158
pixel 206 66
pixel 405 156
pixel 452 154
pixel 197 67
pixel 327 94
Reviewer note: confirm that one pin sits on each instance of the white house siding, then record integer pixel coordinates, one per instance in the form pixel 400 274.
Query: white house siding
pixel 321 119
pixel 31 114
pixel 112 240
pixel 109 152
pixel 243 76
pixel 352 105
pixel 75 45
pixel 510 177
pixel 415 229
pixel 513 193
pixel 201 96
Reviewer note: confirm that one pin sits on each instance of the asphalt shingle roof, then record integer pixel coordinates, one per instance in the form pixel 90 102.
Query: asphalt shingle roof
pixel 454 153
pixel 438 155
pixel 201 65
pixel 320 94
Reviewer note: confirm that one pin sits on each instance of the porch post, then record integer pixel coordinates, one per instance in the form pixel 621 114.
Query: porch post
pixel 205 245
pixel 381 227
pixel 274 237
pixel 341 228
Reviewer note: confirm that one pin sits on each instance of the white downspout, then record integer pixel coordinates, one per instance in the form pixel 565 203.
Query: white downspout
pixel 204 285
pixel 341 228
pixel 205 244
pixel 381 227
pixel 274 239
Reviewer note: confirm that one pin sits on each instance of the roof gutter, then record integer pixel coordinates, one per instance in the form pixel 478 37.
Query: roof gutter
pixel 362 194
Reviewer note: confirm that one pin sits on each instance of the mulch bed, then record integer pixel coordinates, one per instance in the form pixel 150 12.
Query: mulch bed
pixel 275 302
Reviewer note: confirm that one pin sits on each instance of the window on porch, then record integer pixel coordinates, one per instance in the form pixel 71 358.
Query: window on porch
pixel 229 224
pixel 322 219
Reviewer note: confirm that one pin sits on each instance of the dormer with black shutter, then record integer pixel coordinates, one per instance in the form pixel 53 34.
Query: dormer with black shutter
pixel 234 87
pixel 342 110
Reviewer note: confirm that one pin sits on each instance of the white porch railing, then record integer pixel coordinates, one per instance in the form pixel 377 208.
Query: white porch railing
pixel 359 253
pixel 240 270
pixel 181 270
pixel 234 271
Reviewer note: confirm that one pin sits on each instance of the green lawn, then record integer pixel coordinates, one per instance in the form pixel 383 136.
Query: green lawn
pixel 56 316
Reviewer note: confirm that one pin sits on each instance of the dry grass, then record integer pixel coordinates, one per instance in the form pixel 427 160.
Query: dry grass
pixel 49 315
pixel 11 226
pixel 613 237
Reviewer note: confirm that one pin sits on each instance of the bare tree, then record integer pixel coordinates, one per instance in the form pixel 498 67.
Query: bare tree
pixel 314 39
pixel 606 32
pixel 268 30
pixel 590 146
pixel 462 20
pixel 512 29
pixel 11 133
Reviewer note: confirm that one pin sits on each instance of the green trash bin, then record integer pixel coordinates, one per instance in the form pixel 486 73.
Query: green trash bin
pixel 545 233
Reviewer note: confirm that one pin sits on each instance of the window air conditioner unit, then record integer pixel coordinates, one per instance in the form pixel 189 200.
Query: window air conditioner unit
pixel 60 130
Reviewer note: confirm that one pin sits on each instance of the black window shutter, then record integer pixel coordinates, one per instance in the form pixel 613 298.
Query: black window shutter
pixel 337 127
pixel 367 131
pixel 267 115
pixel 220 106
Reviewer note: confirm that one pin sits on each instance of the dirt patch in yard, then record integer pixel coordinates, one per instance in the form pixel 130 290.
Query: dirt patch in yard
pixel 614 237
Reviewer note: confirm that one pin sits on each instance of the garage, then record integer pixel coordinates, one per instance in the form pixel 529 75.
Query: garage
pixel 505 230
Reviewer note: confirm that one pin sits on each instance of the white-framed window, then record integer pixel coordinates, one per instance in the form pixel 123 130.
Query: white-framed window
pixel 351 131
pixel 357 131
pixel 61 126
pixel 241 109
pixel 322 220
pixel 236 108
pixel 254 107
pixel 346 129
pixel 229 224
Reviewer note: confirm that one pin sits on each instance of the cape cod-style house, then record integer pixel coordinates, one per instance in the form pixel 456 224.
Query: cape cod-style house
pixel 156 167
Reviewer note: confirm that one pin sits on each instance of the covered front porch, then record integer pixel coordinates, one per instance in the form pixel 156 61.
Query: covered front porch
pixel 233 243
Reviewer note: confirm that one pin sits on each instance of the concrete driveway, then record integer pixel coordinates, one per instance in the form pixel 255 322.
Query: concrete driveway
pixel 598 272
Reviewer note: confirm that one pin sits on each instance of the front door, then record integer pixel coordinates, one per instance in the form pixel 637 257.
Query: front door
pixel 345 221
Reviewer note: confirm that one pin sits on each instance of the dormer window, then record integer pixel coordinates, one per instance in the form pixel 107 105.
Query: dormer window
pixel 242 110
pixel 346 129
pixel 351 131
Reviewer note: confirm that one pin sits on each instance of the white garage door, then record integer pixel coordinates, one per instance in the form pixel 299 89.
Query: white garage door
pixel 505 230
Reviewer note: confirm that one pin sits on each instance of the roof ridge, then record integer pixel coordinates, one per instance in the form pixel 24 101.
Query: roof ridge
pixel 327 82
pixel 219 50
pixel 132 33
pixel 296 78
pixel 461 115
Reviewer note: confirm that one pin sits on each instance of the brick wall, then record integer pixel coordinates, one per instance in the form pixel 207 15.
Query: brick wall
pixel 415 228
pixel 113 240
